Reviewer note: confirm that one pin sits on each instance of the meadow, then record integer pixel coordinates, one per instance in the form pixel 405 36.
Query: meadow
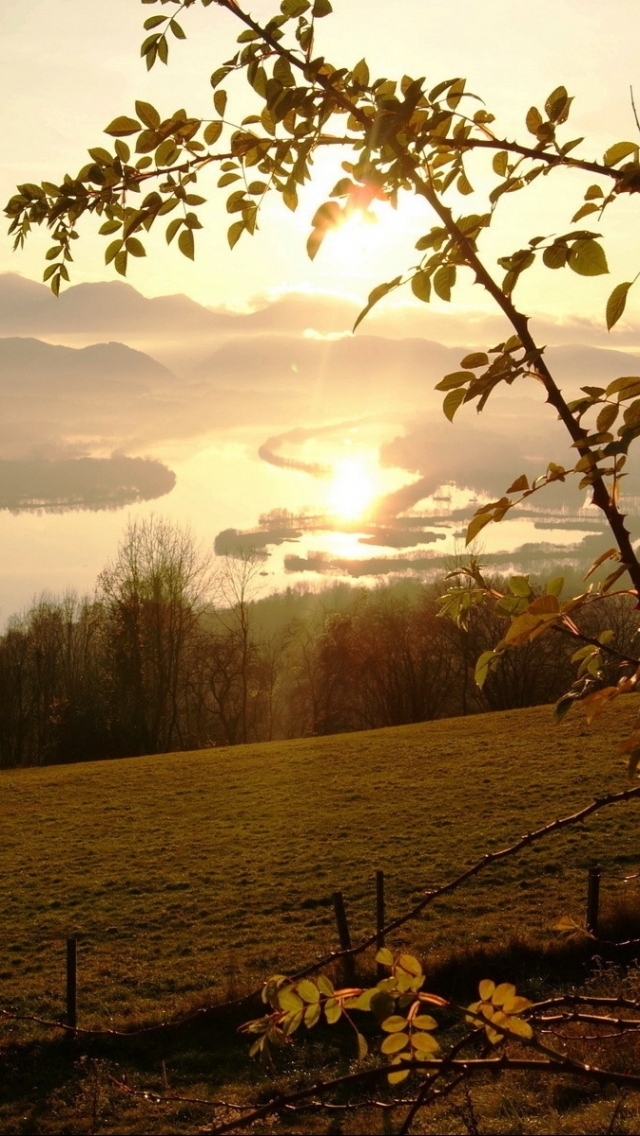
pixel 189 878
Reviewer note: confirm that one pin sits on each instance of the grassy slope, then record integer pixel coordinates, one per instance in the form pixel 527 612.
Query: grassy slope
pixel 183 874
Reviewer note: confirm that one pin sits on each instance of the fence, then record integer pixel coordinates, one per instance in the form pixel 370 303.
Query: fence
pixel 595 876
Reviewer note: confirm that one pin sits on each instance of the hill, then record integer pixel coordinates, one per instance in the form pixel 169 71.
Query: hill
pixel 186 874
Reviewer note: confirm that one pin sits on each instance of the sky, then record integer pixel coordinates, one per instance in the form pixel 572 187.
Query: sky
pixel 253 409
pixel 67 69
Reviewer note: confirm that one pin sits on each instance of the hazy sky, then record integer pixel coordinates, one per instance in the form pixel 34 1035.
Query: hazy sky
pixel 68 68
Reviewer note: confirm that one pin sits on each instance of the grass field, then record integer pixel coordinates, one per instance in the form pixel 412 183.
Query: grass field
pixel 190 877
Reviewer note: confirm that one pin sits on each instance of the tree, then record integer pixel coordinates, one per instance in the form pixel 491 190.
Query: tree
pixel 395 138
pixel 153 596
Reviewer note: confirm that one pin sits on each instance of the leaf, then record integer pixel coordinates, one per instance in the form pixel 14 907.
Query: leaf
pixel 587 258
pixel 135 247
pixel 500 162
pixel 444 281
pixel 424 1043
pixel 394 1043
pixel 397 1078
pixel 312 1014
pixel 476 525
pixel 486 989
pixel 394 1024
pixel 308 991
pixel 363 1048
pixel 212 132
pixel 381 1005
pixel 520 586
pixel 617 302
pixel 476 359
pixel 521 483
pixel 122 126
pixel 455 379
pixel 533 120
pixel 618 151
pixel 289 1000
pixel 375 296
pixel 484 666
pixel 148 114
pixel 454 399
pixel 321 8
pixel 234 233
pixel 424 1022
pixel 325 985
pixel 332 1011
pixel 384 956
pixel 186 243
pixel 421 286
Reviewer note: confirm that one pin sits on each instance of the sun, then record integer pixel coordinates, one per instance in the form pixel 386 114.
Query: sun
pixel 353 488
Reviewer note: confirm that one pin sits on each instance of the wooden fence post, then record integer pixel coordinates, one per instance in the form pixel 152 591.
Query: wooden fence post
pixel 380 968
pixel 72 983
pixel 593 899
pixel 344 935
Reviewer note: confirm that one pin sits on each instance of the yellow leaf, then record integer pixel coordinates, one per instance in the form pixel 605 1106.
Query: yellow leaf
pixel 394 1024
pixel 308 991
pixel 424 1043
pixel 384 956
pixel 502 992
pixel 424 1022
pixel 486 989
pixel 394 1042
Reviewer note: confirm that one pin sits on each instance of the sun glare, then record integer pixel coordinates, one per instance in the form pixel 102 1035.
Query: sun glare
pixel 353 488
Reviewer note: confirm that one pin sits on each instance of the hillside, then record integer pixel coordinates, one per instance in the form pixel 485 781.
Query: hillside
pixel 186 876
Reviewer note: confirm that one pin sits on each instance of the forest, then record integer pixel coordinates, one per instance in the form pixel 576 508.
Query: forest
pixel 177 651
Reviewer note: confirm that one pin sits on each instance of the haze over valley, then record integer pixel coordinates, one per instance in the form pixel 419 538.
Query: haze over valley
pixel 274 428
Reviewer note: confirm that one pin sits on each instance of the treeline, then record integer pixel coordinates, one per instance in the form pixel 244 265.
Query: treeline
pixel 171 654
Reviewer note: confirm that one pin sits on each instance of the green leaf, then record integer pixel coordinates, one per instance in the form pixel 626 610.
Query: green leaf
pixel 220 102
pixel 282 72
pixel 234 233
pixel 120 262
pixel 500 162
pixel 556 256
pixel 375 296
pixel 619 151
pixel 533 120
pixel 587 258
pixel 476 359
pixel 212 132
pixel 476 525
pixel 483 666
pixel 321 8
pixel 148 114
pixel 186 243
pixel 421 286
pixel 363 1048
pixel 444 281
pixel 135 247
pixel 177 29
pixel 617 302
pixel 112 250
pixel 453 401
pixel 455 379
pixel 122 126
pixel 519 586
pixel 166 153
pixel 172 228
